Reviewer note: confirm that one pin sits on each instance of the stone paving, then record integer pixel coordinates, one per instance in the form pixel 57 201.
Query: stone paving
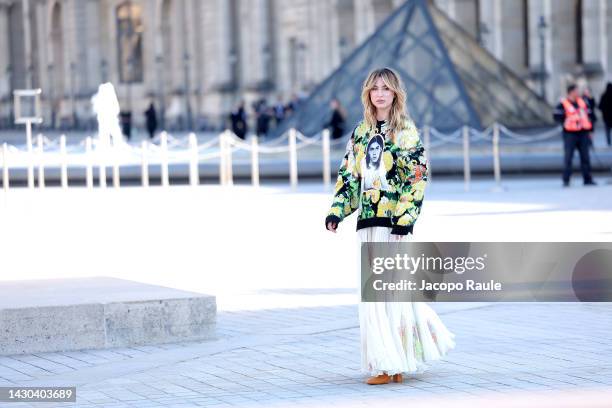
pixel 292 354
pixel 310 356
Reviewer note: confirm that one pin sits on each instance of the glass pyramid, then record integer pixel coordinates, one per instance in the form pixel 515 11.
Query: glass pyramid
pixel 450 79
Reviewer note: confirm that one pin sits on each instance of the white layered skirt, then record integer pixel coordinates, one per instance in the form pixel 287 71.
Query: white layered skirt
pixel 399 337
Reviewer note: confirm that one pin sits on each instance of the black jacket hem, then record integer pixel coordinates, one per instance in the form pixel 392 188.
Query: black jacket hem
pixel 384 222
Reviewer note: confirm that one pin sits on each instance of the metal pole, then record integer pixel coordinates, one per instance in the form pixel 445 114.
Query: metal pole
pixel 144 169
pixel 254 161
pixel 64 169
pixel 496 159
pixel 30 154
pixel 116 174
pixel 102 154
pixel 194 174
pixel 222 158
pixel 229 169
pixel 41 167
pixel 5 168
pixel 293 158
pixel 466 157
pixel 164 159
pixel 326 160
pixel 89 168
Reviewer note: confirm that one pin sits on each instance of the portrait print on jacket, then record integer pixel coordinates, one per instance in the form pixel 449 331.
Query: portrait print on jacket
pixel 374 175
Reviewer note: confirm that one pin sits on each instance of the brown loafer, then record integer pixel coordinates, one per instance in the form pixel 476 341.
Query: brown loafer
pixel 379 379
pixel 398 378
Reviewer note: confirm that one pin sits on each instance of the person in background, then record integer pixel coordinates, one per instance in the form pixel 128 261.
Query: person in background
pixel 279 111
pixel 605 106
pixel 238 119
pixel 151 120
pixel 336 122
pixel 263 118
pixel 577 120
pixel 590 101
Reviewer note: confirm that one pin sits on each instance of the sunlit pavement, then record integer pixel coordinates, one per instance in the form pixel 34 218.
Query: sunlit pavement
pixel 286 292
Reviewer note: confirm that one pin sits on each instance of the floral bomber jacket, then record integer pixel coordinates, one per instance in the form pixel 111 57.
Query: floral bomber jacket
pixel 384 180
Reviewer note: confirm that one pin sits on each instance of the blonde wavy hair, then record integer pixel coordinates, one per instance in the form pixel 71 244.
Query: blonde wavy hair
pixel 398 114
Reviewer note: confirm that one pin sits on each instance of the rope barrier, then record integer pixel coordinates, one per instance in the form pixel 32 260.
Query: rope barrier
pixel 455 137
pixel 165 149
pixel 552 133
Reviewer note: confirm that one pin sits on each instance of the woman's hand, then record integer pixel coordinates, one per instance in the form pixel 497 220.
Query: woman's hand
pixel 331 226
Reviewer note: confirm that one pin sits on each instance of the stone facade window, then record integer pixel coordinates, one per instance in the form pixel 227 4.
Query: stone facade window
pixel 129 42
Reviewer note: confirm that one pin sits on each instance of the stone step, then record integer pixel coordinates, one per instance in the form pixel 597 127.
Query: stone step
pixel 99 312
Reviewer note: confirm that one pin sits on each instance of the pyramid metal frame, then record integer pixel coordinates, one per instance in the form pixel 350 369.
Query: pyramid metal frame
pixel 436 84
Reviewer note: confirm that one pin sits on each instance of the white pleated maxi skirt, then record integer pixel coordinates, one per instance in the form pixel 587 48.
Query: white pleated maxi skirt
pixel 398 337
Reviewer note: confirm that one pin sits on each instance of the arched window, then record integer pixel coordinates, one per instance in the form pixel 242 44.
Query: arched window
pixel 129 42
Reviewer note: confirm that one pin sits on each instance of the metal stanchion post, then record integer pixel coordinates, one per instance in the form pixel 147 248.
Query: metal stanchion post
pixel 229 166
pixel 5 168
pixel 30 155
pixel 164 160
pixel 326 160
pixel 116 170
pixel 63 158
pixel 496 158
pixel 102 154
pixel 144 169
pixel 293 159
pixel 194 175
pixel 41 166
pixel 254 161
pixel 466 157
pixel 222 177
pixel 89 165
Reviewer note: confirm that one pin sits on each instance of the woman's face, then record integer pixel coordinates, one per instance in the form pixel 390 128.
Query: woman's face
pixel 374 152
pixel 380 95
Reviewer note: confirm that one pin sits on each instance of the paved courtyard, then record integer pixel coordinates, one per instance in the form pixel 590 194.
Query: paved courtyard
pixel 287 328
pixel 309 357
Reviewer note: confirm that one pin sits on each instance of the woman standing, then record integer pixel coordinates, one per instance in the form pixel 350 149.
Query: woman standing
pixel 383 174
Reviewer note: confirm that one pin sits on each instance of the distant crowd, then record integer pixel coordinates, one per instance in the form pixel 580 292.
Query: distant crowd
pixel 266 116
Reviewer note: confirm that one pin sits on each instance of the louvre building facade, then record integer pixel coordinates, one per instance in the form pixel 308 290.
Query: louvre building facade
pixel 196 58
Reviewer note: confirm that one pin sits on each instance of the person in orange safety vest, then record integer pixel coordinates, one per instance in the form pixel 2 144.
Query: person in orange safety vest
pixel 577 119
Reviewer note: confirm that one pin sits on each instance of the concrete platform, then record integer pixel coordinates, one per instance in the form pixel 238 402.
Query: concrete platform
pixel 100 312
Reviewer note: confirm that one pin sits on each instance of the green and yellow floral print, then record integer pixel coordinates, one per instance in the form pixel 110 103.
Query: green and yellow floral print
pixel 384 180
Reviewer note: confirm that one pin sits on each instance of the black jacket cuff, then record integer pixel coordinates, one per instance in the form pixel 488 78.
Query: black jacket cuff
pixel 332 218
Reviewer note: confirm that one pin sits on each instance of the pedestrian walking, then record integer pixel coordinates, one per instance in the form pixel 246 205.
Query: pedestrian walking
pixel 336 122
pixel 383 175
pixel 605 106
pixel 279 112
pixel 151 120
pixel 577 120
pixel 264 116
pixel 238 119
pixel 590 101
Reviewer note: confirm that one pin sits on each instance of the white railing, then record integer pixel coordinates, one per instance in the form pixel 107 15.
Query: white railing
pixel 165 149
